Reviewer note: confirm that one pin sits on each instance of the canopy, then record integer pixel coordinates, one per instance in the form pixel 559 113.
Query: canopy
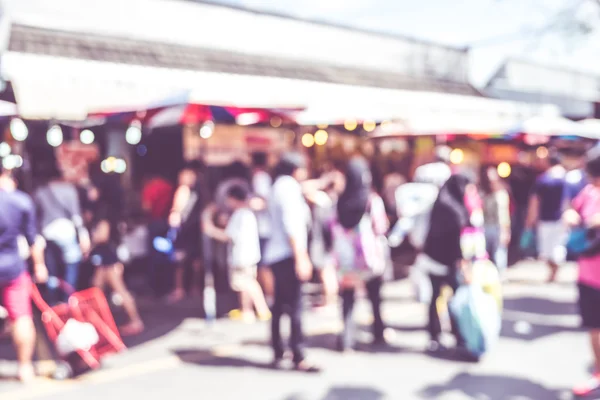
pixel 48 87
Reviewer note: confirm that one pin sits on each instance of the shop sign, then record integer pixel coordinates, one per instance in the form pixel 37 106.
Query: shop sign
pixel 73 159
pixel 502 153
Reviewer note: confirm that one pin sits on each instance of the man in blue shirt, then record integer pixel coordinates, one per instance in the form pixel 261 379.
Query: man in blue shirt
pixel 546 207
pixel 17 220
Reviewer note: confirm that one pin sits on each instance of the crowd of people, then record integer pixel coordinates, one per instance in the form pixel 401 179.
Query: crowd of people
pixel 274 229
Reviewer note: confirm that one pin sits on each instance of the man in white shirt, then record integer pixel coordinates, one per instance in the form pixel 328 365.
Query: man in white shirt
pixel 287 254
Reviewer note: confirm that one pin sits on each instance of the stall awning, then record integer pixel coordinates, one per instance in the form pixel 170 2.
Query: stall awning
pixel 50 87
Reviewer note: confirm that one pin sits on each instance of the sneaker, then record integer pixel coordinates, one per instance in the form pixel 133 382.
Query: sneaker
pixel 265 317
pixel 236 314
pixel 434 346
pixel 589 387
pixel 306 367
pixel 133 328
pixel 176 296
pixel 26 373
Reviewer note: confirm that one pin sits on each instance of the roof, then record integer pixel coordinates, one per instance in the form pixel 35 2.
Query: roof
pixel 532 77
pixel 328 24
pixel 87 46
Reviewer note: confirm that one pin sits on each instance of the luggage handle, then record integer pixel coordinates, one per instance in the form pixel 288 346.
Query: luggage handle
pixel 52 282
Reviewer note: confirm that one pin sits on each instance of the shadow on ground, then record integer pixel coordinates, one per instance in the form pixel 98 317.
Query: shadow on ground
pixel 345 393
pixel 536 305
pixel 492 387
pixel 526 318
pixel 328 341
pixel 208 359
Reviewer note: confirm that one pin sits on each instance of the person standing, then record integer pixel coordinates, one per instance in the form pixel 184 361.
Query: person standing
pixel 324 204
pixel 546 207
pixel 62 226
pixel 585 212
pixel 496 207
pixel 242 233
pixel 17 218
pixel 360 221
pixel 261 186
pixel 185 219
pixel 157 195
pixel 287 254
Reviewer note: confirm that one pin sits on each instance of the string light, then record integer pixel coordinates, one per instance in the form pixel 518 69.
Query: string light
pixel 133 135
pixel 54 136
pixel 87 137
pixel 321 137
pixel 276 122
pixel 350 125
pixel 308 140
pixel 457 156
pixel 207 129
pixel 5 149
pixel 369 126
pixel 504 170
pixel 18 129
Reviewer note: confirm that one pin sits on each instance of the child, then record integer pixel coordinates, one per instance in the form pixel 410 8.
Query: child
pixel 242 231
pixel 109 271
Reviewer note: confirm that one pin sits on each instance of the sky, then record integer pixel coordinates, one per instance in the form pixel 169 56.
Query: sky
pixel 494 29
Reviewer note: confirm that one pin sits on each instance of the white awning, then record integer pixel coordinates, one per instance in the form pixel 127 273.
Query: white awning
pixel 68 89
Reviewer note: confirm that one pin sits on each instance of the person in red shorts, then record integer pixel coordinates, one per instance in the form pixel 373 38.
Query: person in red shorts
pixel 17 218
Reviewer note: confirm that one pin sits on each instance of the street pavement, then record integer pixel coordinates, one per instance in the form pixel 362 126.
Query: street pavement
pixel 540 356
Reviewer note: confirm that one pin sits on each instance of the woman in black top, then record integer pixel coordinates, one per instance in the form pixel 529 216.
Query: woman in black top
pixel 449 217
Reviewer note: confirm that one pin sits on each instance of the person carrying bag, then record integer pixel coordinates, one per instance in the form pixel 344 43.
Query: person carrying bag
pixel 358 252
pixel 67 239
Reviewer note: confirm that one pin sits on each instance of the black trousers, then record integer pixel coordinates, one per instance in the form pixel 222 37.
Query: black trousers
pixel 288 300
pixel 374 293
pixel 434 326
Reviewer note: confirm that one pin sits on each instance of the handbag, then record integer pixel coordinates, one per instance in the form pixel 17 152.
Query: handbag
pixel 70 248
pixel 583 242
pixel 528 243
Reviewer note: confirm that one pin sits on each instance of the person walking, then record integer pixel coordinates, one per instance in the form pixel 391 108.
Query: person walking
pixel 443 251
pixel 261 187
pixel 360 221
pixel 109 273
pixel 68 241
pixel 287 254
pixel 546 207
pixel 17 219
pixel 585 212
pixel 185 219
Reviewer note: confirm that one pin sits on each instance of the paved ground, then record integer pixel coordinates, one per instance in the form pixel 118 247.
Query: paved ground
pixel 540 356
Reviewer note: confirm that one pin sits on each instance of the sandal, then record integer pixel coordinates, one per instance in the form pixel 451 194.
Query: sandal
pixel 132 328
pixel 304 366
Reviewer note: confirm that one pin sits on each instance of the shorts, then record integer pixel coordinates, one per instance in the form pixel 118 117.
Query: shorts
pixel 187 249
pixel 241 277
pixel 16 297
pixel 589 299
pixel 552 238
pixel 104 256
